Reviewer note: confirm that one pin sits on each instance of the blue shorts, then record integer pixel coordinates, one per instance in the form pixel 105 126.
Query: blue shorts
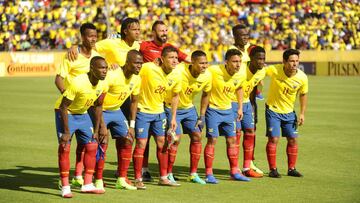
pixel 116 122
pixel 219 122
pixel 154 122
pixel 276 121
pixel 247 121
pixel 79 124
pixel 186 117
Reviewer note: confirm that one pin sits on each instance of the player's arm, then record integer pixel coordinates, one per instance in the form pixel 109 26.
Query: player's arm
pixel 98 117
pixel 303 104
pixel 239 96
pixel 59 82
pixel 133 111
pixel 204 103
pixel 174 104
pixel 65 103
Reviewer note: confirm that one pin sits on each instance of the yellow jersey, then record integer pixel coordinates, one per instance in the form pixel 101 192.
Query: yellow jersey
pixel 82 94
pixel 190 86
pixel 224 86
pixel 155 84
pixel 119 88
pixel 283 90
pixel 245 58
pixel 115 50
pixel 68 70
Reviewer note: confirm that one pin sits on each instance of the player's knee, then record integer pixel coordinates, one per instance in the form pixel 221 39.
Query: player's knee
pixel 211 141
pixel 250 130
pixel 230 141
pixel 196 137
pixel 273 140
pixel 292 141
pixel 141 143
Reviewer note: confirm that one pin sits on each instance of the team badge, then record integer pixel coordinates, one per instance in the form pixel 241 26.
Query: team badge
pixel 140 130
pixel 170 82
pixel 98 92
pixel 131 86
pixel 211 130
pixel 236 82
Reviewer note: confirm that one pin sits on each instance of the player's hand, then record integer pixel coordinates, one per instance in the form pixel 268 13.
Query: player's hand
pixel 114 66
pixel 173 125
pixel 96 137
pixel 131 135
pixel 239 115
pixel 102 134
pixel 200 123
pixel 65 138
pixel 72 53
pixel 301 120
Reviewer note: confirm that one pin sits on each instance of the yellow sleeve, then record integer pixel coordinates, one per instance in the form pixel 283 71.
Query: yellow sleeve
pixel 70 92
pixel 257 77
pixel 305 87
pixel 102 47
pixel 136 90
pixel 64 68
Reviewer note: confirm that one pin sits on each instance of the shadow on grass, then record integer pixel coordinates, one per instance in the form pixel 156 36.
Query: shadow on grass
pixel 25 178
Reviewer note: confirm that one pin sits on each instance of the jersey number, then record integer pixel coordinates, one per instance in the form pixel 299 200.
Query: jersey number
pixel 89 102
pixel 160 89
pixel 122 96
pixel 189 91
pixel 226 90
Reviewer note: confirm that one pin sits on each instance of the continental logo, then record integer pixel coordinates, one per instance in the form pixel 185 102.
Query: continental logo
pixel 27 69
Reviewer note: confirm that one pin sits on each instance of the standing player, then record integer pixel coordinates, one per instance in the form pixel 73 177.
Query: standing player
pixel 122 83
pixel 241 38
pixel 254 74
pixel 67 71
pixel 71 116
pixel 226 81
pixel 287 81
pixel 151 51
pixel 156 80
pixel 194 78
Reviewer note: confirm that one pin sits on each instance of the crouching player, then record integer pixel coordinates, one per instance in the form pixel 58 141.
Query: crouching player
pixel 156 80
pixel 226 81
pixel 122 83
pixel 71 117
pixel 194 78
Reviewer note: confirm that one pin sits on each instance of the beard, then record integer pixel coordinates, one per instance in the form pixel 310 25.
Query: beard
pixel 162 38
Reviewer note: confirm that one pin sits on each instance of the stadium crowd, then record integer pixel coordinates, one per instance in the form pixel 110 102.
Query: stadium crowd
pixel 282 24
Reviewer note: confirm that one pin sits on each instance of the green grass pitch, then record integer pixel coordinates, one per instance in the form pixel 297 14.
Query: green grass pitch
pixel 329 152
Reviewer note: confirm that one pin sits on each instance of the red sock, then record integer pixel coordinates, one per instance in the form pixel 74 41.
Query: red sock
pixel 138 161
pixel 79 165
pixel 248 146
pixel 124 163
pixel 64 163
pixel 253 154
pixel 209 153
pixel 89 162
pixel 145 162
pixel 100 164
pixel 292 152
pixel 172 156
pixel 271 154
pixel 162 156
pixel 237 141
pixel 232 154
pixel 195 152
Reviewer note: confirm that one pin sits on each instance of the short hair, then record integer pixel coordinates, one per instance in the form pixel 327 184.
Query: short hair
pixel 238 27
pixel 131 52
pixel 287 53
pixel 156 23
pixel 167 50
pixel 196 54
pixel 94 59
pixel 125 24
pixel 256 49
pixel 86 26
pixel 232 52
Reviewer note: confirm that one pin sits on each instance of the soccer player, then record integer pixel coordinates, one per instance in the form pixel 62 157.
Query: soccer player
pixel 195 78
pixel 71 116
pixel 122 83
pixel 156 80
pixel 151 51
pixel 287 81
pixel 254 74
pixel 66 73
pixel 241 38
pixel 219 118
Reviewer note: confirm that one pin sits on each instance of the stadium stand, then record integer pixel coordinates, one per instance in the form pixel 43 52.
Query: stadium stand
pixel 193 24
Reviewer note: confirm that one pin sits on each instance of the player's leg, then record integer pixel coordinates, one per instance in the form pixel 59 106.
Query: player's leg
pixel 119 131
pixel 84 135
pixel 212 121
pixel 273 133
pixel 188 122
pixel 158 128
pixel 249 139
pixel 64 154
pixel 289 127
pixel 142 125
pixel 234 107
pixel 145 169
pixel 79 166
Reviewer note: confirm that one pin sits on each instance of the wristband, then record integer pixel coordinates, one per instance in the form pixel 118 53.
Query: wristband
pixel 132 124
